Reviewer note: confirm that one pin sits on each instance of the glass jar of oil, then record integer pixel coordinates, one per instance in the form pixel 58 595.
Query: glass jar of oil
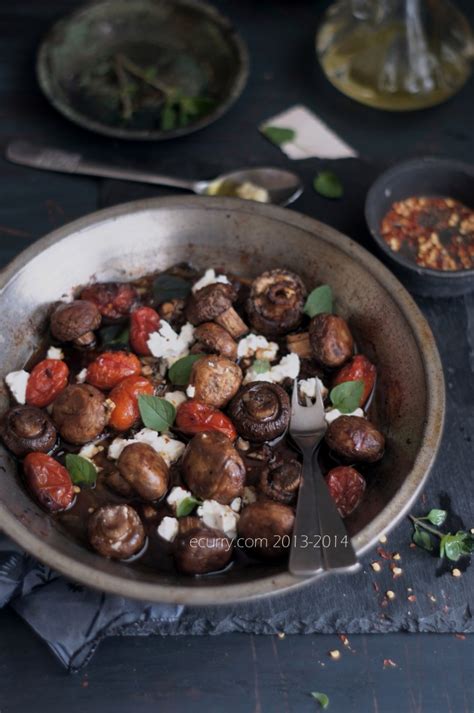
pixel 395 54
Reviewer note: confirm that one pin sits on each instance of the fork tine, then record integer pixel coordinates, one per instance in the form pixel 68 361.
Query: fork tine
pixel 294 399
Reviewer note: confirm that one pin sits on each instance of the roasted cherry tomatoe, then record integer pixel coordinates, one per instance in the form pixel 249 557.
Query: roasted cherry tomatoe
pixel 347 487
pixel 197 417
pixel 358 369
pixel 125 397
pixel 110 368
pixel 47 379
pixel 49 481
pixel 114 300
pixel 143 321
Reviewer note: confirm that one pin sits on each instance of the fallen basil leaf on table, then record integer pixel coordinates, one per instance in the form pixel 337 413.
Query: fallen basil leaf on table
pixel 186 506
pixel 455 546
pixel 180 371
pixel 437 517
pixel 260 366
pixel 322 698
pixel 81 470
pixel 328 185
pixel 319 301
pixel 169 287
pixel 422 539
pixel 278 135
pixel 346 396
pixel 156 413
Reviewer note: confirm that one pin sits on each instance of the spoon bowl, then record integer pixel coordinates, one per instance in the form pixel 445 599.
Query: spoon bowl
pixel 283 187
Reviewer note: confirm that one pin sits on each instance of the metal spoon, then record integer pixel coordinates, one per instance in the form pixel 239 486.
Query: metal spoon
pixel 283 187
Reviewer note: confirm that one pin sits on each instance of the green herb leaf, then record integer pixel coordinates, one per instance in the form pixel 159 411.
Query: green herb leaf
pixel 169 287
pixel 114 336
pixel 322 698
pixel 455 546
pixel 186 506
pixel 168 116
pixel 260 366
pixel 180 371
pixel 436 517
pixel 156 413
pixel 319 301
pixel 327 184
pixel 278 135
pixel 346 396
pixel 422 539
pixel 81 470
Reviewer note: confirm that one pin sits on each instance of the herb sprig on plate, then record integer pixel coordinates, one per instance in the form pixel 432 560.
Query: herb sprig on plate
pixel 427 536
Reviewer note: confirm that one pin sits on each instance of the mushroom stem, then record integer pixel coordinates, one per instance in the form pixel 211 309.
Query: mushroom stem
pixel 299 344
pixel 85 340
pixel 230 320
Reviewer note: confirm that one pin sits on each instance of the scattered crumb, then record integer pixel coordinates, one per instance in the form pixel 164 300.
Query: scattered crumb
pixel 388 663
pixel 335 654
pixel 409 589
pixel 456 572
pixel 383 539
pixel 390 594
pixel 281 634
pixel 376 567
pixel 432 597
pixel 397 556
pixel 396 571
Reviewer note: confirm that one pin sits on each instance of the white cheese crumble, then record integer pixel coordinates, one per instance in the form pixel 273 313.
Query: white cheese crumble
pixel 191 391
pixel 168 344
pixel 16 382
pixel 236 504
pixel 176 497
pixel 55 353
pixel 307 387
pixel 90 450
pixel 334 413
pixel 81 376
pixel 288 367
pixel 220 517
pixel 168 528
pixel 249 496
pixel 175 397
pixel 258 345
pixel 168 448
pixel 210 278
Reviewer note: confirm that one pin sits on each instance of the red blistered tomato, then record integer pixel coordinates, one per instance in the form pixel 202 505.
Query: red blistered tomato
pixel 195 417
pixel 110 368
pixel 358 369
pixel 125 397
pixel 143 321
pixel 49 481
pixel 347 487
pixel 47 379
pixel 114 300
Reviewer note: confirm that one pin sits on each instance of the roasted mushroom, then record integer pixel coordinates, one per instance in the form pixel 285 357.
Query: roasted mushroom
pixel 213 303
pixel 276 302
pixel 280 479
pixel 215 380
pixel 353 438
pixel 80 413
pixel 26 428
pixel 211 338
pixel 212 468
pixel 266 527
pixel 331 340
pixel 114 300
pixel 260 411
pixel 144 470
pixel 75 322
pixel 116 531
pixel 201 550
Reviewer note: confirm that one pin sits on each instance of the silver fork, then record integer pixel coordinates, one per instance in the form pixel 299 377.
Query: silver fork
pixel 320 540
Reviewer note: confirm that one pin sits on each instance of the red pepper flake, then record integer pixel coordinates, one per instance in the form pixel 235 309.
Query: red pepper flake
pixel 376 586
pixel 411 597
pixel 384 554
pixel 461 637
pixel 388 663
pixel 344 639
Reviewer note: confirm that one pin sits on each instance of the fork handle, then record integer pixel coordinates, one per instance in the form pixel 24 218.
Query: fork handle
pixel 306 558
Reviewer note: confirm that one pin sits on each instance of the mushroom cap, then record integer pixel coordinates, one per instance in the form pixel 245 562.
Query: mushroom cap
pixel 201 550
pixel 80 413
pixel 213 338
pixel 263 525
pixel 280 479
pixel 354 438
pixel 209 302
pixel 116 531
pixel 276 301
pixel 145 470
pixel 260 411
pixel 26 428
pixel 216 380
pixel 72 320
pixel 331 340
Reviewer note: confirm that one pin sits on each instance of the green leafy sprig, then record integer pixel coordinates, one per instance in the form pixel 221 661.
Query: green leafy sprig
pixel 427 537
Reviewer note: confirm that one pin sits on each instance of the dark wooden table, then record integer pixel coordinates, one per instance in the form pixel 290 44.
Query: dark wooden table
pixel 241 673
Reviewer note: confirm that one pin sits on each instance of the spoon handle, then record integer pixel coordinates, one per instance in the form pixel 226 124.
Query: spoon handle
pixel 52 159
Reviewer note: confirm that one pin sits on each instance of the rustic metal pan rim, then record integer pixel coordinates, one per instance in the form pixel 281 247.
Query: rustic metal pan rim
pixel 369 535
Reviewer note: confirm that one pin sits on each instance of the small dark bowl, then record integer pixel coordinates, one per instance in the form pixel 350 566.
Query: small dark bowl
pixel 188 43
pixel 427 176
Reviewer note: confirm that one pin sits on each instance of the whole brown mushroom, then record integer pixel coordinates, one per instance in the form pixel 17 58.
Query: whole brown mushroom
pixel 211 338
pixel 25 429
pixel 266 528
pixel 116 531
pixel 354 438
pixel 331 340
pixel 280 480
pixel 144 470
pixel 260 411
pixel 276 302
pixel 80 413
pixel 212 468
pixel 213 303
pixel 201 550
pixel 75 322
pixel 215 380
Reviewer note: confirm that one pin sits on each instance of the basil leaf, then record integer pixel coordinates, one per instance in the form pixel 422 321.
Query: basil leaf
pixel 322 698
pixel 114 336
pixel 156 413
pixel 328 185
pixel 180 371
pixel 81 470
pixel 422 539
pixel 455 546
pixel 346 396
pixel 186 506
pixel 319 301
pixel 169 287
pixel 278 135
pixel 260 366
pixel 437 517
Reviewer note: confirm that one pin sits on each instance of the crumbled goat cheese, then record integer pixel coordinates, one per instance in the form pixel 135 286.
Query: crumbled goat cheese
pixel 168 448
pixel 242 444
pixel 210 278
pixel 256 344
pixel 169 345
pixel 307 387
pixel 90 450
pixel 220 517
pixel 191 391
pixel 81 377
pixel 236 504
pixel 249 496
pixel 176 497
pixel 175 397
pixel 334 413
pixel 16 382
pixel 168 528
pixel 288 367
pixel 55 353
